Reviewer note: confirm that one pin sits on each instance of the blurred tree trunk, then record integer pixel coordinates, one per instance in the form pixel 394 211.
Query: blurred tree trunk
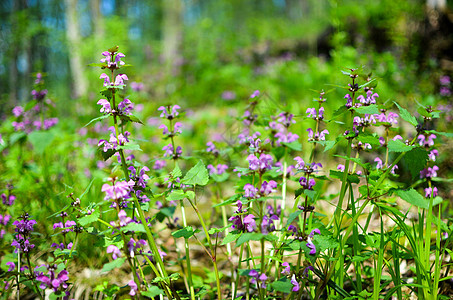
pixel 436 4
pixel 80 84
pixel 96 17
pixel 14 50
pixel 172 27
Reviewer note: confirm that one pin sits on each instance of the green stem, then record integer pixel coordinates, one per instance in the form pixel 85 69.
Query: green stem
pixel 211 247
pixel 186 245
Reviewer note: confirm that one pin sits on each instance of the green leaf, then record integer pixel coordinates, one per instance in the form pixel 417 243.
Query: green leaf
pixel 339 111
pixel 220 178
pixel 105 155
pixel 249 236
pixel 282 285
pixel 117 263
pixel 130 118
pixel 176 172
pixel 370 109
pixel 353 159
pixel 294 145
pixel 324 242
pixel 136 227
pixel 101 65
pixel 413 197
pixel 16 136
pixel 176 195
pixel 353 178
pixel 399 146
pixel 416 160
pixel 165 212
pixel 152 292
pixel 88 219
pixel 130 146
pixel 292 216
pixel 407 116
pixel 231 237
pixel 447 134
pixel 186 232
pixel 368 138
pixel 198 175
pixel 230 200
pixel 41 140
pixel 97 119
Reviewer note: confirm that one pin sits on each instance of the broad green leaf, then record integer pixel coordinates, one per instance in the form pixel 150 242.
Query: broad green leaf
pixel 105 155
pixel 231 237
pixel 416 160
pixel 88 219
pixel 97 119
pixel 136 227
pixel 447 134
pixel 186 232
pixel 249 236
pixel 220 178
pixel 16 136
pixel 399 146
pixel 176 195
pixel 130 146
pixel 41 140
pixel 130 118
pixel 292 216
pixel 198 175
pixel 353 178
pixel 368 138
pixel 370 109
pixel 353 159
pixel 117 263
pixel 324 242
pixel 339 111
pixel 282 285
pixel 413 197
pixel 152 292
pixel 407 116
pixel 294 145
pixel 176 172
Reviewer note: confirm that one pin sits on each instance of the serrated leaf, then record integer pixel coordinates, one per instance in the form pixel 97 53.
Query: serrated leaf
pixel 130 118
pixel 97 119
pixel 231 237
pixel 198 175
pixel 407 116
pixel 283 285
pixel 220 178
pixel 398 146
pixel 416 160
pixel 186 232
pixel 413 197
pixel 370 109
pixel 176 172
pixel 249 236
pixel 117 263
pixel 447 134
pixel 136 227
pixel 324 242
pixel 88 219
pixel 41 140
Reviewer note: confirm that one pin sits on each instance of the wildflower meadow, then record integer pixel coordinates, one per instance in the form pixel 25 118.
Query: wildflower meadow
pixel 338 189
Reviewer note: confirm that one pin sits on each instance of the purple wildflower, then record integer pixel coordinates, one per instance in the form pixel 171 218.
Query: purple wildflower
pixel 430 192
pixel 134 288
pixel 295 284
pixel 286 269
pixel 118 190
pixel 11 266
pixel 114 250
pixel 249 223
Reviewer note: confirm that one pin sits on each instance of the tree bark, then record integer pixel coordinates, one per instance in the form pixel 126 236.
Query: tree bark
pixel 172 35
pixel 74 41
pixel 96 17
